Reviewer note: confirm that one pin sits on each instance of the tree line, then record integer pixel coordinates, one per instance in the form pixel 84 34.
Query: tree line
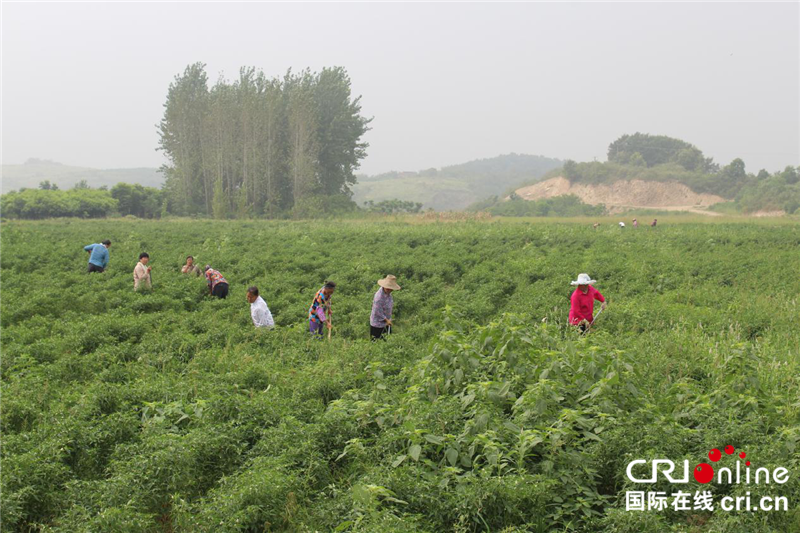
pixel 48 201
pixel 259 145
pixel 256 146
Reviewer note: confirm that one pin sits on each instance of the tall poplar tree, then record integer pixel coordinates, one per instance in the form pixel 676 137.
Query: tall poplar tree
pixel 259 145
pixel 181 132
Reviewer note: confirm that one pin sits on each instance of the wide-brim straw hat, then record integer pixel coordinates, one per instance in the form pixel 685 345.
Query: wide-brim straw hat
pixel 583 279
pixel 389 282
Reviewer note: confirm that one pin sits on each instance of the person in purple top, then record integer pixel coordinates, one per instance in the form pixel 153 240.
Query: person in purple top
pixel 380 320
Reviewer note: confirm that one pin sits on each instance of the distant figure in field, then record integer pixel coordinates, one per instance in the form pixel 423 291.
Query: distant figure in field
pixel 635 223
pixel 653 223
pixel 594 226
pixel 380 320
pixel 217 285
pixel 621 224
pixel 141 272
pixel 581 311
pixel 259 311
pixel 98 258
pixel 320 311
pixel 190 267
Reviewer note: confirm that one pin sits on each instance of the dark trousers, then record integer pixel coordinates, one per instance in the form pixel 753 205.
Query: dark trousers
pixel 315 328
pixel 378 333
pixel 220 290
pixel 95 268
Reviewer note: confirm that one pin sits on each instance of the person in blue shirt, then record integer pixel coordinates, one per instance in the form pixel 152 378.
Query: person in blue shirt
pixel 98 260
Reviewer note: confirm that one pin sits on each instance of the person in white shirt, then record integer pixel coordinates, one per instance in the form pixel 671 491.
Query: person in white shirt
pixel 141 273
pixel 262 318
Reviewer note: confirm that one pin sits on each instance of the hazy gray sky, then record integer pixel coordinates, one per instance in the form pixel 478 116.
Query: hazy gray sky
pixel 84 83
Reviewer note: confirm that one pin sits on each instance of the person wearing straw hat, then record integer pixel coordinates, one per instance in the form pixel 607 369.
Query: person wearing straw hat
pixel 581 311
pixel 380 320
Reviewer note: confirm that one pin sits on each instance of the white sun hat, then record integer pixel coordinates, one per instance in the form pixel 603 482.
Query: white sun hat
pixel 583 279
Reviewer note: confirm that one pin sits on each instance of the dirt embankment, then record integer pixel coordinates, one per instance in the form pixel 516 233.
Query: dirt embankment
pixel 621 195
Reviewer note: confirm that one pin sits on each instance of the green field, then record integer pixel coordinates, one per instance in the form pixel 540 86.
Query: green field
pixel 168 412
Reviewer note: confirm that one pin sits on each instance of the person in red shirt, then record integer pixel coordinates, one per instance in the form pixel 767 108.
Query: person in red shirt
pixel 581 311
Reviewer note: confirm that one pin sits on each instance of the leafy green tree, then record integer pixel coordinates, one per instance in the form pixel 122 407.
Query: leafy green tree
pixel 570 169
pixel 303 146
pixel 137 200
pixel 242 205
pixel 656 150
pixel 275 140
pixel 734 175
pixel 770 194
pixel 220 202
pixel 48 203
pixel 340 127
pixel 691 159
pixel 637 160
pixel 181 130
pixel 790 174
pixel 273 193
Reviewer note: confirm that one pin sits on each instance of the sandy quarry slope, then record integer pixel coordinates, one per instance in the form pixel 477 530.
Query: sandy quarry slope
pixel 621 195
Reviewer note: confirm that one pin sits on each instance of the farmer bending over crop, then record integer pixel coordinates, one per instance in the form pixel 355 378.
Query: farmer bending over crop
pixel 217 285
pixel 98 258
pixel 190 267
pixel 320 311
pixel 141 273
pixel 581 311
pixel 380 320
pixel 259 311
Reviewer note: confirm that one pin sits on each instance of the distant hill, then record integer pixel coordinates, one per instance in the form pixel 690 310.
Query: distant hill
pixel 658 172
pixel 33 171
pixel 457 186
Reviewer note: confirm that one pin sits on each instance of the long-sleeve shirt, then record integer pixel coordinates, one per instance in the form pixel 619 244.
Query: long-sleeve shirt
pixel 382 305
pixel 582 305
pixel 214 277
pixel 316 313
pixel 260 314
pixel 141 276
pixel 194 269
pixel 99 255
